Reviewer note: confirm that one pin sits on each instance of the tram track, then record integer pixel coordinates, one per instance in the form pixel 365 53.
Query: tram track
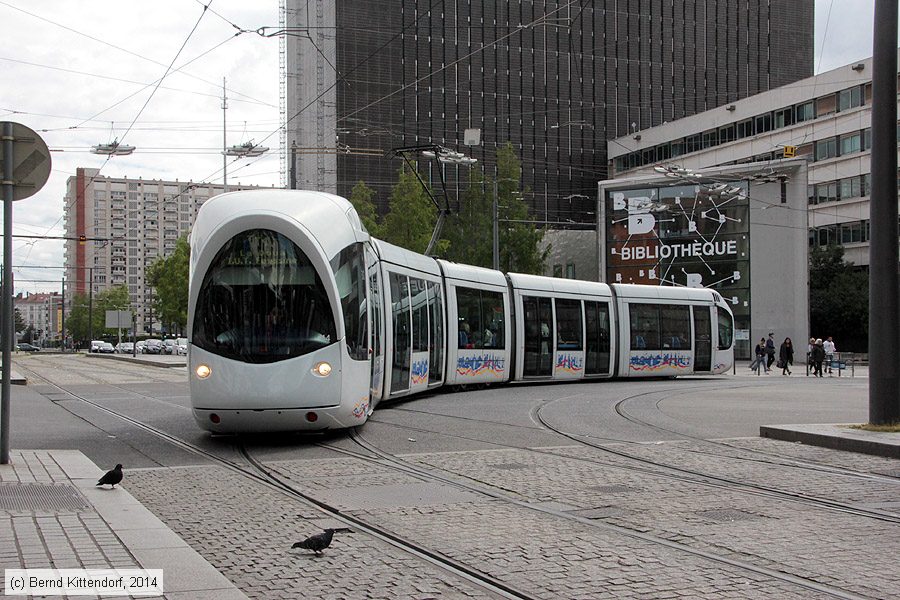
pixel 794 463
pixel 257 471
pixel 378 456
pixel 756 455
pixel 260 474
pixel 674 472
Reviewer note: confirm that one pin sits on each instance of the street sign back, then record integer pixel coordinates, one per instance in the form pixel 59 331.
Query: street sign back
pixel 31 162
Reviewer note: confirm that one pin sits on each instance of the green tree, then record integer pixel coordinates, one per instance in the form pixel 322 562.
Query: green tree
pixel 520 239
pixel 77 319
pixel 18 320
pixel 85 307
pixel 361 196
pixel 838 299
pixel 169 276
pixel 411 217
pixel 468 231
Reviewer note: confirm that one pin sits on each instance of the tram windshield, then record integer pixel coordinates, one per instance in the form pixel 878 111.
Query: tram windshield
pixel 262 301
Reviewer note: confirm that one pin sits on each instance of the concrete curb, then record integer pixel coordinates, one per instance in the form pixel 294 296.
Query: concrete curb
pixel 136 360
pixel 837 437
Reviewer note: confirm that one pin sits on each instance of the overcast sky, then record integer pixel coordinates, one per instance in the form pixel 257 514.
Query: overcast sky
pixel 85 73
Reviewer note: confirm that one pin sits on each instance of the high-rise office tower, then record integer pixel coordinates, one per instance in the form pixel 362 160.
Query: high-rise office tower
pixel 556 79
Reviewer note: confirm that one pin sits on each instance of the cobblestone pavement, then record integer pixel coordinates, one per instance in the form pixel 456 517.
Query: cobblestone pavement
pixel 549 556
pixel 246 531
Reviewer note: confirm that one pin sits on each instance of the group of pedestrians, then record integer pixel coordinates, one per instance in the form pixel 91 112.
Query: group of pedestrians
pixel 765 355
pixel 818 352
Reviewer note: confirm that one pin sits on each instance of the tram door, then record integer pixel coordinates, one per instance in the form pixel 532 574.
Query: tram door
pixel 702 339
pixel 401 338
pixel 538 337
pixel 376 314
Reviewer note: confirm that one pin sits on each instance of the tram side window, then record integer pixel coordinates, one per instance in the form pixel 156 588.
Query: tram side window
pixel 418 293
pixel 645 327
pixel 676 326
pixel 481 323
pixel 726 328
pixel 494 320
pixel 568 324
pixel 468 310
pixel 350 275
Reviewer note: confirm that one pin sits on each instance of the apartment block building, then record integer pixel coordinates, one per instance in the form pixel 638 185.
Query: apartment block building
pixel 42 312
pixel 116 227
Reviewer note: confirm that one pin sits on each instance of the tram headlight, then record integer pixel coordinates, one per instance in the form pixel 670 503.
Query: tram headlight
pixel 203 371
pixel 322 369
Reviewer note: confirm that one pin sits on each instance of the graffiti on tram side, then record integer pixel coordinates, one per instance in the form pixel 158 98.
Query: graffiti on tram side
pixel 360 408
pixel 569 363
pixel 470 366
pixel 419 372
pixel 658 362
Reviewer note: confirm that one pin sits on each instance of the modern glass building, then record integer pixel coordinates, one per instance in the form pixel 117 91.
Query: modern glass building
pixel 556 79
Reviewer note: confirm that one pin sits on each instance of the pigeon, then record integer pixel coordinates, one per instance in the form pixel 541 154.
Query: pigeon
pixel 112 477
pixel 318 542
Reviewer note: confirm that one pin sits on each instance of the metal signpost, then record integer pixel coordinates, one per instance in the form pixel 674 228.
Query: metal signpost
pixel 117 319
pixel 25 163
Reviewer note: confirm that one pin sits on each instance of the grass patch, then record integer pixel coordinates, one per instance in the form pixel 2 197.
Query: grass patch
pixel 889 428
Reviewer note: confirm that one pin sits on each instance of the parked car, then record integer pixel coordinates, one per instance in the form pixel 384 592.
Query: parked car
pixel 107 348
pixel 153 346
pixel 140 346
pixel 26 347
pixel 169 346
pixel 96 345
pixel 124 347
pixel 181 346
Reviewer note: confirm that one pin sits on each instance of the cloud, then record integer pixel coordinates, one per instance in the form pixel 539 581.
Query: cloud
pixel 70 95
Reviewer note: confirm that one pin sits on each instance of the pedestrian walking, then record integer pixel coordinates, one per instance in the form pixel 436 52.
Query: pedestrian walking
pixel 770 351
pixel 809 349
pixel 786 356
pixel 830 349
pixel 760 360
pixel 818 355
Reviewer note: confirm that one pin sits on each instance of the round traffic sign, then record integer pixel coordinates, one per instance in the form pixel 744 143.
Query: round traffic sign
pixel 30 159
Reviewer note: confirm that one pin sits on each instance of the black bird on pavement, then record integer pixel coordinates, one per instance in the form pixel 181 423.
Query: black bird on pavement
pixel 319 541
pixel 112 477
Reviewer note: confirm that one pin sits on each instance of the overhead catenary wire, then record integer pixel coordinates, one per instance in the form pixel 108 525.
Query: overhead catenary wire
pixel 111 45
pixel 158 82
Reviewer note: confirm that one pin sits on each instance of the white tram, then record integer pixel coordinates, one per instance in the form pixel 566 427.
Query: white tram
pixel 299 320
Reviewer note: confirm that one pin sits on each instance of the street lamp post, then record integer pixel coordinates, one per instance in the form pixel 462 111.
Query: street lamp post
pixel 90 307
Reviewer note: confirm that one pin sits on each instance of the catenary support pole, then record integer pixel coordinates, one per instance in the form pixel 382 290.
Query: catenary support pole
pixel 495 225
pixel 884 320
pixel 8 321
